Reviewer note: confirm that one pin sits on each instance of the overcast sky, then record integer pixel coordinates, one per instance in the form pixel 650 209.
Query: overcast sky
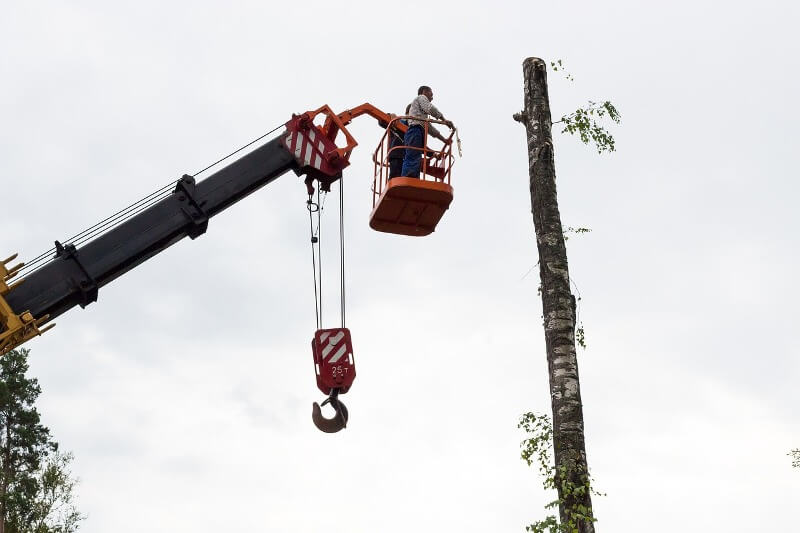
pixel 185 392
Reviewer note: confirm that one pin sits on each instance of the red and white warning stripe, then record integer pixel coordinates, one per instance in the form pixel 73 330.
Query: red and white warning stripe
pixel 333 341
pixel 306 148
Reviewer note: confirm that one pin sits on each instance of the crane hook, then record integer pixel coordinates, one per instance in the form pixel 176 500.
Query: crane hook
pixel 330 425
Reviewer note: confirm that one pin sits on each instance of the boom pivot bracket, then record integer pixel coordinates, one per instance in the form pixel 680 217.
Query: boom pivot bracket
pixel 185 189
pixel 15 328
pixel 87 285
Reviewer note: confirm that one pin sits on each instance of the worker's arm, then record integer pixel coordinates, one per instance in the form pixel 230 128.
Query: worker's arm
pixel 433 111
pixel 428 108
pixel 436 133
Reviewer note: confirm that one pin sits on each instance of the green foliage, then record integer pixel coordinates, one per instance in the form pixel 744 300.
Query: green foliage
pixel 35 484
pixel 557 66
pixel 584 122
pixel 53 510
pixel 795 455
pixel 580 336
pixel 580 333
pixel 538 449
pixel 577 231
pixel 24 442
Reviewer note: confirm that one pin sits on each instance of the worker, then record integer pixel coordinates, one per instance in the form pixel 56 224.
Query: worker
pixel 396 140
pixel 420 108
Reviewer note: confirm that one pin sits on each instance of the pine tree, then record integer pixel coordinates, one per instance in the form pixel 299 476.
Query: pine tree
pixel 35 483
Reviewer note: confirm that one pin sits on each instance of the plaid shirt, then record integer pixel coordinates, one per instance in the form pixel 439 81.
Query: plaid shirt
pixel 421 107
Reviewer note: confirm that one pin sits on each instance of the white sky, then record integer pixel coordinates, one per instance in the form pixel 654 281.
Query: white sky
pixel 185 392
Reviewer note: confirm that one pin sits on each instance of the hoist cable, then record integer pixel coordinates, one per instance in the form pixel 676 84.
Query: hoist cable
pixel 101 223
pixel 89 234
pixel 309 205
pixel 124 214
pixel 341 249
pixel 319 248
pixel 279 126
pixel 316 253
pixel 114 223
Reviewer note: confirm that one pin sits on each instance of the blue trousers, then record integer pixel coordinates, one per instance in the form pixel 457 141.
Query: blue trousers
pixel 413 158
pixel 396 155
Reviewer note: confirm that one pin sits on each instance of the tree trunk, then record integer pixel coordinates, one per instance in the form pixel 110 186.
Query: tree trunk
pixel 6 472
pixel 558 304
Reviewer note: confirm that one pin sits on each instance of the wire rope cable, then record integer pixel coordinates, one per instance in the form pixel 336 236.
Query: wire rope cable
pixel 316 253
pixel 134 208
pixel 319 251
pixel 341 251
pixel 119 220
pixel 126 213
pixel 310 205
pixel 276 128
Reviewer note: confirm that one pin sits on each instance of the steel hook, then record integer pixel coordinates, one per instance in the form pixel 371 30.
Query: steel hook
pixel 330 425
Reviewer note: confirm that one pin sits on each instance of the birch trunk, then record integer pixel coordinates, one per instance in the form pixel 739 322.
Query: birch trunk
pixel 558 303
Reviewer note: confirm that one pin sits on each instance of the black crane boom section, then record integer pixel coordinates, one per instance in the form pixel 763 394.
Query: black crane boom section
pixel 76 274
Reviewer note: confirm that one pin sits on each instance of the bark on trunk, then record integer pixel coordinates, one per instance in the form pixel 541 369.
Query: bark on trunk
pixel 6 473
pixel 558 303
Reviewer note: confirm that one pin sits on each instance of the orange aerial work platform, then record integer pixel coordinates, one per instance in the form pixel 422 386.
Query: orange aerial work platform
pixel 408 205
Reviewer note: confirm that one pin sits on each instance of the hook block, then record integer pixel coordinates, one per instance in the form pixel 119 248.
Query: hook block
pixel 333 359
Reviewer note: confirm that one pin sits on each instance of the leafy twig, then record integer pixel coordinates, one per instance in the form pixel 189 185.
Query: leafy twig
pixel 558 65
pixel 569 229
pixel 584 122
pixel 538 449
